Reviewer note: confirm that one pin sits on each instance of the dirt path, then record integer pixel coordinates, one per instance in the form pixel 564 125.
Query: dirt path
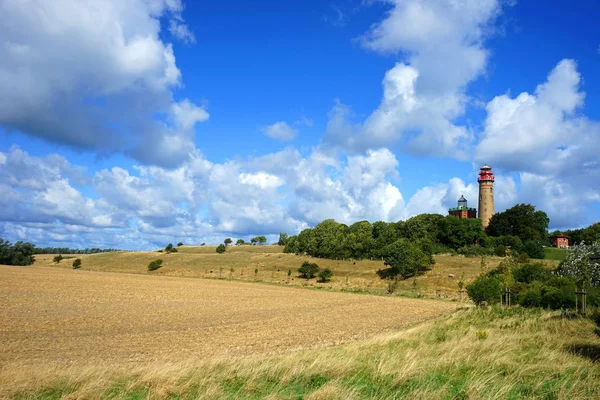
pixel 67 317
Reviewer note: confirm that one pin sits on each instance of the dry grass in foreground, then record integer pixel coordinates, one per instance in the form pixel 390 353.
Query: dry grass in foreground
pixel 273 267
pixel 474 354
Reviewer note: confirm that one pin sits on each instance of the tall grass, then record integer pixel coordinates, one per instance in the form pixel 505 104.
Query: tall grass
pixel 523 354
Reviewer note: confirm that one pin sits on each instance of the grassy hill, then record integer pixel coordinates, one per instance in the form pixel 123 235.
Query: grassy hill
pixel 273 266
pixel 480 354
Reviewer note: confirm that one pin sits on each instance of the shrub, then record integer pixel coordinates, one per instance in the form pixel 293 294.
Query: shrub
pixel 221 248
pixel 531 297
pixel 529 273
pixel 481 335
pixel 58 258
pixel 534 249
pixel 485 289
pixel 179 244
pixel 557 298
pixel 473 251
pixel 500 251
pixel 325 275
pixel 154 265
pixel 77 263
pixel 392 284
pixel 308 270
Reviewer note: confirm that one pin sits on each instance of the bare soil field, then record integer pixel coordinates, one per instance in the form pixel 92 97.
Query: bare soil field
pixel 59 318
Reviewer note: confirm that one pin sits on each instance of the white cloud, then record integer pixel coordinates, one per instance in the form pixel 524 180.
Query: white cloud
pixel 281 131
pixel 187 114
pixel 181 31
pixel 441 43
pixel 201 201
pixel 93 75
pixel 553 147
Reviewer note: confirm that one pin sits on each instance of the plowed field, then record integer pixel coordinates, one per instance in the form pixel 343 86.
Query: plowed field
pixel 51 316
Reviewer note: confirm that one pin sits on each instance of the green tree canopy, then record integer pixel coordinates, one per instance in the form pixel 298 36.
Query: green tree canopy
pixel 522 221
pixel 21 253
pixel 258 240
pixel 405 258
pixel 221 248
pixel 228 241
pixel 283 239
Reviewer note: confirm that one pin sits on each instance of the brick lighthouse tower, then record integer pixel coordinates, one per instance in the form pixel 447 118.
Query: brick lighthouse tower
pixel 486 195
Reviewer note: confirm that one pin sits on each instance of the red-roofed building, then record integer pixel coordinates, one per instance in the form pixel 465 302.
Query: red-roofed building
pixel 560 241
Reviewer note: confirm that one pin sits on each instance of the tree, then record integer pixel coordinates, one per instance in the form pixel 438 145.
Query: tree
pixel 308 270
pixel 221 248
pixel 179 244
pixel 240 242
pixel 170 248
pixel 325 275
pixel 258 239
pixel 405 258
pixel 57 258
pixel 283 239
pixel 77 263
pixel 522 221
pixel 154 265
pixel 21 253
pixel 228 241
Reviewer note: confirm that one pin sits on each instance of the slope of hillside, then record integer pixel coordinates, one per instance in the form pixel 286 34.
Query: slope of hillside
pixel 273 267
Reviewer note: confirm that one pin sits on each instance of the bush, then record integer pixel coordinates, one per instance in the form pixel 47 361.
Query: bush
pixel 154 265
pixel 308 270
pixel 473 251
pixel 485 289
pixel 57 258
pixel 534 249
pixel 500 251
pixel 325 275
pixel 529 273
pixel 531 297
pixel 221 248
pixel 77 263
pixel 557 298
pixel 179 244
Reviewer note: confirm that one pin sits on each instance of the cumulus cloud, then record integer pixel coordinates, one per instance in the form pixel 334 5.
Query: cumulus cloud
pixel 281 131
pixel 552 146
pixel 441 44
pixel 94 75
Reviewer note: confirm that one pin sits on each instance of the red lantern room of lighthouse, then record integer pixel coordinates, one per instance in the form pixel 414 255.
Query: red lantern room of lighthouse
pixel 485 174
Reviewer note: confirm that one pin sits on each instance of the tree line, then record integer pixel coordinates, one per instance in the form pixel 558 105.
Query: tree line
pixel 66 250
pixel 408 246
pixel 522 228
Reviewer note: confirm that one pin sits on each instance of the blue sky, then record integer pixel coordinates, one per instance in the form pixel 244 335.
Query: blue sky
pixel 133 124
